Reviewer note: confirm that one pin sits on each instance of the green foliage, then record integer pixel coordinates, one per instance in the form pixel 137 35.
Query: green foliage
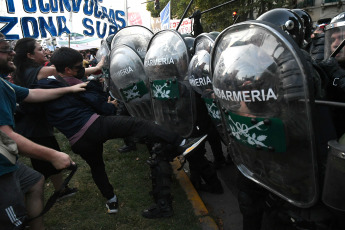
pixel 129 174
pixel 221 18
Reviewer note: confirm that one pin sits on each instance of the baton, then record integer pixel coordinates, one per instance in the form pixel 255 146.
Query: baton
pixel 184 14
pixel 51 201
pixel 337 50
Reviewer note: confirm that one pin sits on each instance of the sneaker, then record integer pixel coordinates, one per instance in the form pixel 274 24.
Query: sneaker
pixel 190 144
pixel 127 148
pixel 67 192
pixel 112 207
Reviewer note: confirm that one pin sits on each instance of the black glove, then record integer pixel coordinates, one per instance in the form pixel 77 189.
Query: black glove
pixel 317 47
pixel 334 72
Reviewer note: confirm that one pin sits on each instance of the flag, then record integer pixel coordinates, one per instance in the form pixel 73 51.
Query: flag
pixel 165 17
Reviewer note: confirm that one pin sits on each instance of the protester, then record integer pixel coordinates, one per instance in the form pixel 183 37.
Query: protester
pixel 83 121
pixel 17 180
pixel 30 119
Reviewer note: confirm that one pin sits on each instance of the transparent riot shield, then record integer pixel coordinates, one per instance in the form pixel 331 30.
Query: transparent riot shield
pixel 205 41
pixel 260 79
pixel 137 37
pixel 104 51
pixel 131 84
pixel 201 82
pixel 166 64
pixel 334 185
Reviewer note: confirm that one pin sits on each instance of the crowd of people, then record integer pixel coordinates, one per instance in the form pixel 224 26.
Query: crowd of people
pixel 85 114
pixel 87 120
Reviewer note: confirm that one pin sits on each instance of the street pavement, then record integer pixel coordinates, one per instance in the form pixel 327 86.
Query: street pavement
pixel 222 208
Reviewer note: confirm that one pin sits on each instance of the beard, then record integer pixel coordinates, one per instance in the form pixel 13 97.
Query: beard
pixel 5 68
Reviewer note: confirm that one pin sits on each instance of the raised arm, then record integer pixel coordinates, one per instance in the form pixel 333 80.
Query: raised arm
pixel 98 67
pixel 46 71
pixel 41 95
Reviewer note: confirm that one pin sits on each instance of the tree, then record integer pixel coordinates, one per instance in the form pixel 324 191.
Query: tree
pixel 221 18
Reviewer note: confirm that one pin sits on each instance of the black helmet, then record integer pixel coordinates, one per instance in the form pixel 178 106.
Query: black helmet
pixel 307 22
pixel 334 35
pixel 288 21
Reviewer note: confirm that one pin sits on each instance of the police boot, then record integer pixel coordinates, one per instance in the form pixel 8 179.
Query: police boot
pixel 163 208
pixel 199 165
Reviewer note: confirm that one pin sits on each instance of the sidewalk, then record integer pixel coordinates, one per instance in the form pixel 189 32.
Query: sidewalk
pixel 216 211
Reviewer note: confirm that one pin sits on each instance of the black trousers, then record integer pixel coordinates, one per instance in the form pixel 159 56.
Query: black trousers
pixel 90 146
pixel 45 167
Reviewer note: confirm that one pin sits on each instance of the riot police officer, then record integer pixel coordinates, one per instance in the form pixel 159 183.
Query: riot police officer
pixel 284 191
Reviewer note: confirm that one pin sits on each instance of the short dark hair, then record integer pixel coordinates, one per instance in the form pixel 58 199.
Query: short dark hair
pixel 65 57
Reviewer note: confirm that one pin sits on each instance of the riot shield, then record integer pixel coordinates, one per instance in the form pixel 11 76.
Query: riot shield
pixel 260 78
pixel 104 51
pixel 166 64
pixel 127 74
pixel 334 186
pixel 137 37
pixel 201 82
pixel 205 41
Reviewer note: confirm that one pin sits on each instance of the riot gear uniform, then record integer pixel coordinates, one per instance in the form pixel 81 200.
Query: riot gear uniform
pixel 334 68
pixel 201 81
pixel 130 84
pixel 265 85
pixel 307 23
pixel 174 103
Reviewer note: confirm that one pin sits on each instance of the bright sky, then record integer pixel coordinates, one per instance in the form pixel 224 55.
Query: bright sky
pixel 135 5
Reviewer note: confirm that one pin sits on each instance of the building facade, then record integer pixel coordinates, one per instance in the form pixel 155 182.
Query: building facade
pixel 320 9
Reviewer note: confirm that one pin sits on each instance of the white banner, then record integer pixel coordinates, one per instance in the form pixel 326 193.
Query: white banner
pixel 54 18
pixel 78 42
pixel 185 27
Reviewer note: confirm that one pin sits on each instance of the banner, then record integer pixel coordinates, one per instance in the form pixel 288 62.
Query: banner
pixel 134 18
pixel 78 42
pixel 165 17
pixel 185 27
pixel 53 18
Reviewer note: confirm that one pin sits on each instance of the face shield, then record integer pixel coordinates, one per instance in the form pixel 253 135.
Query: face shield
pixel 334 35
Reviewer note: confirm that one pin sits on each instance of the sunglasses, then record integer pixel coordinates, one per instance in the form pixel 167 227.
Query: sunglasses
pixel 7 49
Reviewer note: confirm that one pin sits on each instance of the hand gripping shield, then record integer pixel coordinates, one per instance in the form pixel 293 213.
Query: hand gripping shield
pixel 127 74
pixel 260 78
pixel 166 64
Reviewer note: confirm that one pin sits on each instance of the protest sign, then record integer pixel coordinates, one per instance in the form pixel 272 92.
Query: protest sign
pixel 53 18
